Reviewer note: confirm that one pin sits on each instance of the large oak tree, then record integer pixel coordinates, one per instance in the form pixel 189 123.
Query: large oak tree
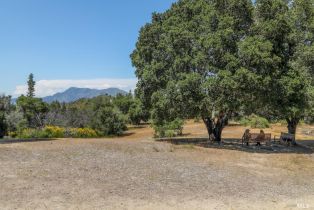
pixel 209 58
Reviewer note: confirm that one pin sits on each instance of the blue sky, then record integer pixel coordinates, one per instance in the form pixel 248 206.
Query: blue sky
pixel 70 42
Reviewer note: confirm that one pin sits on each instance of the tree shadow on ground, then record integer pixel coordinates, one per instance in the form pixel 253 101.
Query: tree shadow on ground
pixel 13 141
pixel 134 127
pixel 126 134
pixel 236 144
pixel 307 143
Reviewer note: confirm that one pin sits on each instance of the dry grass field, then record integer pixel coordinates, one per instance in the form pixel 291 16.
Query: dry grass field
pixel 137 172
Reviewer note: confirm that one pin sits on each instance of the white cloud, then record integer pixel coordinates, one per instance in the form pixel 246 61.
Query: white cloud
pixel 49 87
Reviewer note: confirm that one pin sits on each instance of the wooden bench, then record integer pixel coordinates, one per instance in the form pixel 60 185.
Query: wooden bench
pixel 254 139
pixel 287 138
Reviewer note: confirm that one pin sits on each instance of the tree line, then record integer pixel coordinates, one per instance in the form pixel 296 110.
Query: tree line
pixel 106 115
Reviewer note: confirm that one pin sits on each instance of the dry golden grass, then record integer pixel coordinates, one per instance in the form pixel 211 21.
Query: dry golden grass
pixel 135 172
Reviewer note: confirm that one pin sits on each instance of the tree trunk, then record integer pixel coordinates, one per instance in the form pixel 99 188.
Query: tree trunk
pixel 218 131
pixel 209 125
pixel 215 127
pixel 292 127
pixel 2 125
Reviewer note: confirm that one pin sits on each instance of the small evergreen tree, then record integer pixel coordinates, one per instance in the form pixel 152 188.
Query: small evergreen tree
pixel 31 86
pixel 33 109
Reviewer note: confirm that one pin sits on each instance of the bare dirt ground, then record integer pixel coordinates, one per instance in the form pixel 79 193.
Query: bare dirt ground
pixel 136 172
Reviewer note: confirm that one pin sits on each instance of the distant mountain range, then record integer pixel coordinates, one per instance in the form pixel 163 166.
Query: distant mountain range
pixel 74 94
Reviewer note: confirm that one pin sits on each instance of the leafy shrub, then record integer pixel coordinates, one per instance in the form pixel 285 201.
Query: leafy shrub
pixel 255 121
pixel 13 134
pixel 170 133
pixel 54 132
pixel 169 129
pixel 109 121
pixel 82 133
pixel 16 121
pixel 30 133
pixel 46 132
pixel 136 113
pixel 123 102
pixel 33 109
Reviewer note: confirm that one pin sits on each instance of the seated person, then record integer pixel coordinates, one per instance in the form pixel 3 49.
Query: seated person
pixel 246 137
pixel 260 138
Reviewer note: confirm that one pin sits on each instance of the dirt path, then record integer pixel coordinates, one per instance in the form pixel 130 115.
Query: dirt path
pixel 135 172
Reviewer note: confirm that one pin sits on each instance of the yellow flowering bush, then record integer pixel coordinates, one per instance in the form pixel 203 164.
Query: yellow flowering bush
pixel 57 132
pixel 83 133
pixel 54 132
pixel 13 134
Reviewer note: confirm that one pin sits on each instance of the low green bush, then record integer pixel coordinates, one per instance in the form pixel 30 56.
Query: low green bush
pixel 170 133
pixel 255 121
pixel 169 129
pixel 109 121
pixel 46 132
pixel 13 134
pixel 30 133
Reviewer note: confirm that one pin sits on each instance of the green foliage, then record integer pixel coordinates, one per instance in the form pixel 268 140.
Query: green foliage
pixel 169 129
pixel 55 132
pixel 99 113
pixel 82 133
pixel 31 86
pixel 46 132
pixel 99 116
pixel 16 121
pixel 136 113
pixel 255 121
pixel 131 107
pixel 109 121
pixel 33 109
pixel 12 134
pixel 123 102
pixel 202 57
pixel 31 133
pixel 287 27
pixel 180 54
